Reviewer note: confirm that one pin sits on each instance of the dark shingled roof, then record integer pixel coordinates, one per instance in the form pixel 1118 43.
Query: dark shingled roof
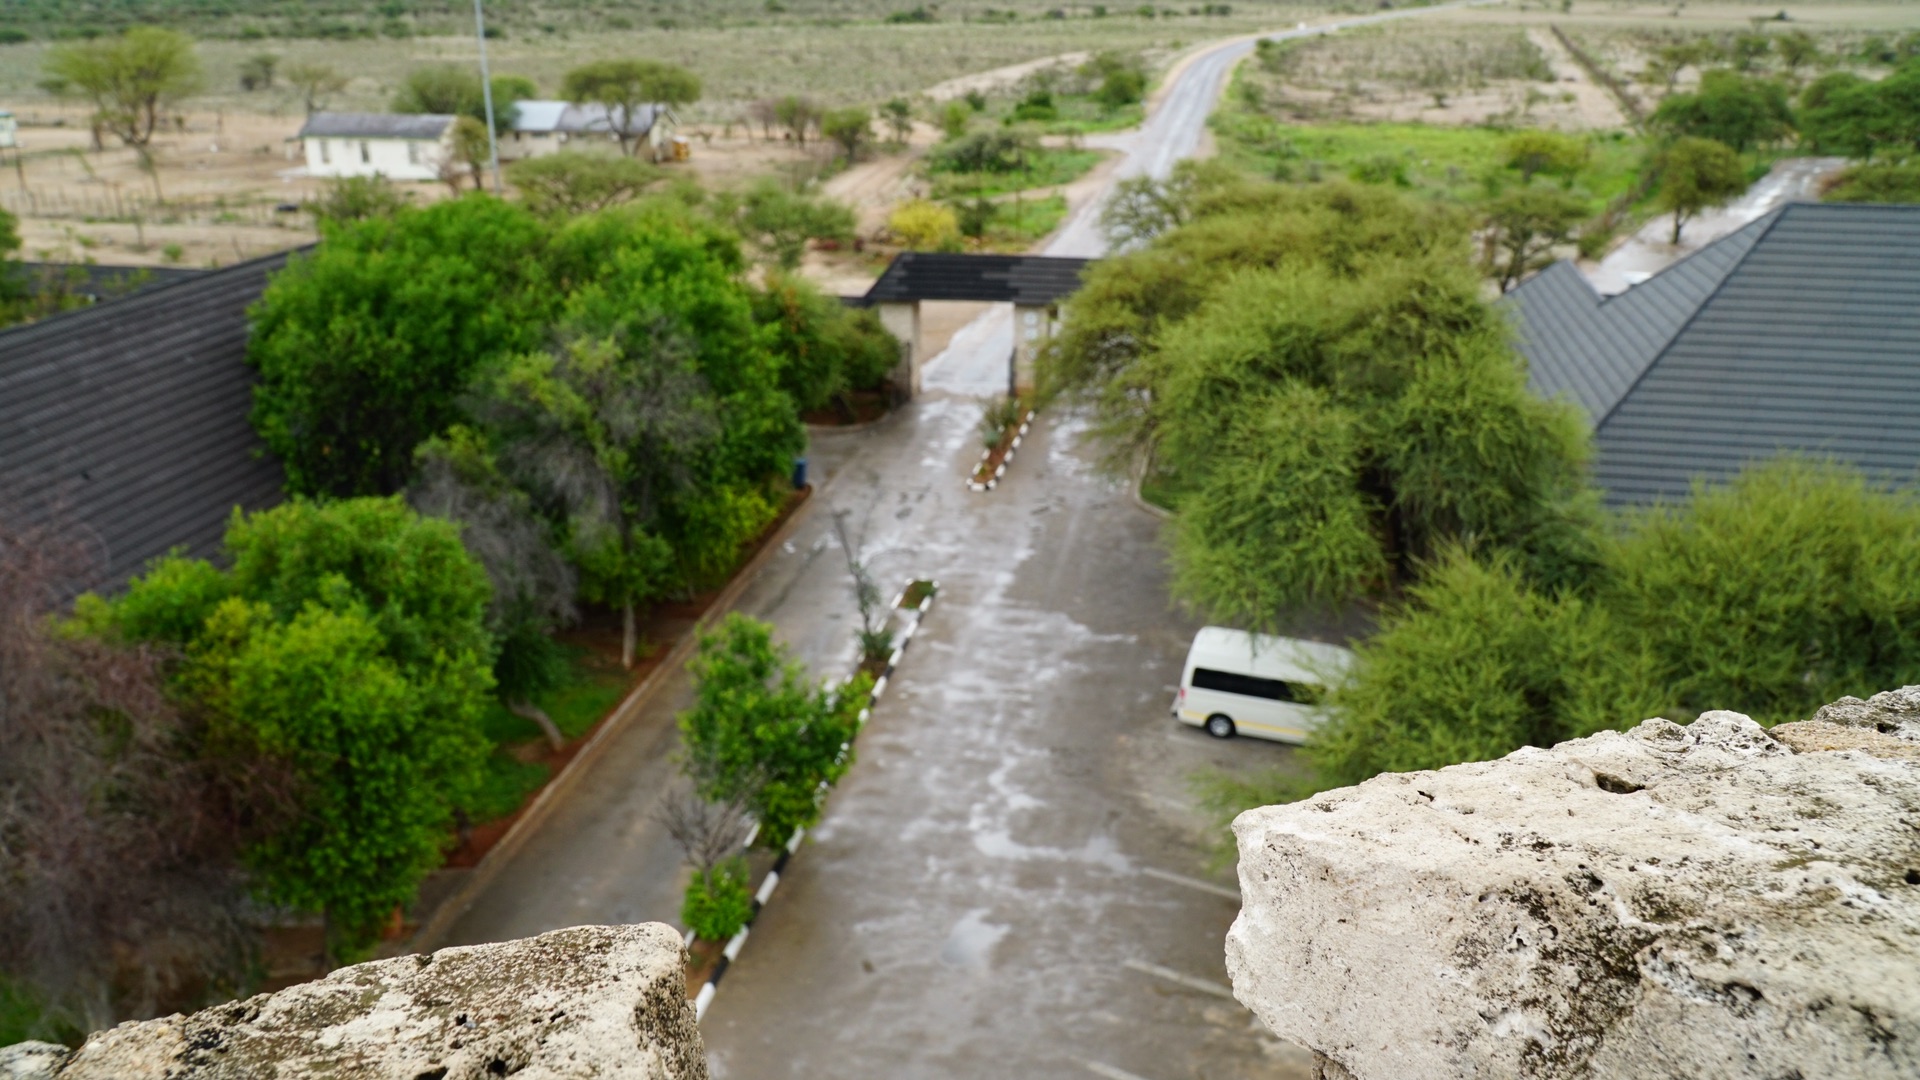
pixel 130 417
pixel 355 125
pixel 1800 332
pixel 1036 280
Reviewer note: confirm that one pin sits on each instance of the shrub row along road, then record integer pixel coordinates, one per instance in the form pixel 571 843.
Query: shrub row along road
pixel 1012 879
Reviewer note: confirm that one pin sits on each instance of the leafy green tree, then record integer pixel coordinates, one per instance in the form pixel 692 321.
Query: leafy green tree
pixel 454 90
pixel 346 649
pixel 851 127
pixel 1696 174
pixel 572 182
pixel 315 83
pixel 1523 227
pixel 1748 50
pixel 627 86
pixel 780 222
pixel 1544 153
pixel 470 153
pixel 364 345
pixel 824 348
pixel 346 199
pixel 257 72
pixel 1882 183
pixel 762 730
pixel 955 118
pixel 605 429
pixel 1797 49
pixel 1842 111
pixel 1121 79
pixel 1475 664
pixel 13 286
pixel 798 115
pixel 1738 110
pixel 998 151
pixel 129 79
pixel 1794 584
pixel 1143 208
pixel 898 114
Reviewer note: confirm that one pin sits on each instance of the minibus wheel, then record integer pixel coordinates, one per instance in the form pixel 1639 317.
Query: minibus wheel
pixel 1220 726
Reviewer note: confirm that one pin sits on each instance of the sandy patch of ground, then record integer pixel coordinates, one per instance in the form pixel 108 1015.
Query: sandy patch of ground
pixel 1000 78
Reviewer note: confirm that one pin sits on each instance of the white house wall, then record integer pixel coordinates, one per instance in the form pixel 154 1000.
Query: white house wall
pixel 395 159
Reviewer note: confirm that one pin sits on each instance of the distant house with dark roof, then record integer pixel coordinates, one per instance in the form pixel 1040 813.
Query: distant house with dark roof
pixel 1800 332
pixel 545 127
pixel 398 146
pixel 129 419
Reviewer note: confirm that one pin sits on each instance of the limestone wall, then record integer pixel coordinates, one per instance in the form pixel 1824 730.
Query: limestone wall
pixel 590 1001
pixel 1713 900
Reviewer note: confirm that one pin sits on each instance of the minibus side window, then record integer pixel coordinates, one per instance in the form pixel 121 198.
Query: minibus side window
pixel 1228 682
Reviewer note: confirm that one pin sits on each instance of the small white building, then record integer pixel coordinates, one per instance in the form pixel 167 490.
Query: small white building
pixel 9 131
pixel 398 146
pixel 545 127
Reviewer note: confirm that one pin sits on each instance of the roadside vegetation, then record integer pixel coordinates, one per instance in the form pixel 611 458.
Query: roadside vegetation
pixel 1327 396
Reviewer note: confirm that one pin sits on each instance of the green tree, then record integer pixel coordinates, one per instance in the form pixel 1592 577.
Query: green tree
pixel 955 118
pixel 851 127
pixel 761 730
pixel 346 199
pixel 364 345
pixel 1882 183
pixel 607 429
pixel 921 225
pixel 627 86
pixel 13 286
pixel 1121 80
pixel 780 222
pixel 798 115
pixel 470 153
pixel 1544 153
pixel 1523 227
pixel 257 71
pixel 454 90
pixel 824 348
pixel 1738 110
pixel 129 79
pixel 1696 174
pixel 1797 49
pixel 345 649
pixel 898 113
pixel 572 182
pixel 315 83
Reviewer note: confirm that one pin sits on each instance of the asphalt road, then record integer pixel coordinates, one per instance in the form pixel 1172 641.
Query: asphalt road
pixel 1013 879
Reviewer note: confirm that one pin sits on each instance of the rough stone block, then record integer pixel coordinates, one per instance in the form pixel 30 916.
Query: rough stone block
pixel 1712 900
pixel 590 1001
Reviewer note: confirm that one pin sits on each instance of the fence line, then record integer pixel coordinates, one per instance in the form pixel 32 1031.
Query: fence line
pixel 127 206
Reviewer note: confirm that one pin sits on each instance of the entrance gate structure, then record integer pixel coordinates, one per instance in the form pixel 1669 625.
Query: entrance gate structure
pixel 1033 284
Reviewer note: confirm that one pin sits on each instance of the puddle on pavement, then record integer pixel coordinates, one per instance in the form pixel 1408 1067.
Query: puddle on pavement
pixel 970 943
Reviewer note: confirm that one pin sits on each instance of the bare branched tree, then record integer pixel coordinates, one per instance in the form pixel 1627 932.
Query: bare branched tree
pixel 876 641
pixel 709 833
pixel 533 584
pixel 117 889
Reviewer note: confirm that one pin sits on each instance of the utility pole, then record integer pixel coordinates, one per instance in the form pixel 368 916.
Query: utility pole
pixel 486 95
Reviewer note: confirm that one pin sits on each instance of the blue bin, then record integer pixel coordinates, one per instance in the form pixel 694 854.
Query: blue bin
pixel 799 473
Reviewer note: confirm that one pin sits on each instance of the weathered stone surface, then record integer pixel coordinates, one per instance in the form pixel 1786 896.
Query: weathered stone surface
pixel 591 1001
pixel 1699 901
pixel 31 1060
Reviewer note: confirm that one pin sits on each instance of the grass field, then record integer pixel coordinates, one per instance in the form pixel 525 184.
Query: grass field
pixel 1460 164
pixel 1018 223
pixel 837 52
pixel 1045 168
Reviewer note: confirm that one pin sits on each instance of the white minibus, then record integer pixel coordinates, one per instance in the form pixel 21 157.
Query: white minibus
pixel 1251 684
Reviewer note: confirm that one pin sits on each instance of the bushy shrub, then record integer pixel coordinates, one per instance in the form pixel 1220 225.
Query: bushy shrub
pixel 718 902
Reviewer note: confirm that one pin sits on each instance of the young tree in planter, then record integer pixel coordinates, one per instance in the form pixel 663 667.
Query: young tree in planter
pixel 710 834
pixel 604 430
pixel 876 641
pixel 762 731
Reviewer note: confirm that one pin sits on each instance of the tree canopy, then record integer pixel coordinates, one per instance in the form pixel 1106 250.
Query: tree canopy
pixel 1741 111
pixel 1696 174
pixel 626 86
pixel 129 78
pixel 1315 369
pixel 346 650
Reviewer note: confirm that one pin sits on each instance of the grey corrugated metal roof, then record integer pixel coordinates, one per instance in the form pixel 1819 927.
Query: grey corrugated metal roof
pixel 1022 279
pixel 1811 343
pixel 1588 349
pixel 346 125
pixel 131 417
